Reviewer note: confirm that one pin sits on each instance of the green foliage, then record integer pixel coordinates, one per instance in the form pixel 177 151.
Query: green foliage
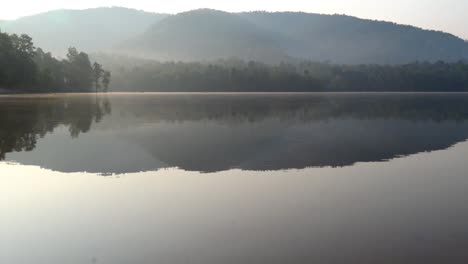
pixel 306 76
pixel 98 73
pixel 23 44
pixel 106 77
pixel 78 71
pixel 23 68
pixel 17 67
pixel 51 72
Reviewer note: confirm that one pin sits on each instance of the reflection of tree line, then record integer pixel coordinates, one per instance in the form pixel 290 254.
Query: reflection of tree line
pixel 251 108
pixel 272 132
pixel 359 127
pixel 26 119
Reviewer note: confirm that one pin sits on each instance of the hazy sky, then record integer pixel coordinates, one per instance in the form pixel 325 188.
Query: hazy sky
pixel 445 15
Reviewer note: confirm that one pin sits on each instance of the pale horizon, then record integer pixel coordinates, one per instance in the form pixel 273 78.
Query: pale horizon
pixel 448 16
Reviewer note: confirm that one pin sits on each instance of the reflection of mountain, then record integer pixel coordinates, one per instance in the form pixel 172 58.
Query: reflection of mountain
pixel 270 146
pixel 253 132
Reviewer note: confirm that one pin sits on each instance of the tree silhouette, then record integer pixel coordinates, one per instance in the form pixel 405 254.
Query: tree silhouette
pixel 106 77
pixel 97 75
pixel 24 68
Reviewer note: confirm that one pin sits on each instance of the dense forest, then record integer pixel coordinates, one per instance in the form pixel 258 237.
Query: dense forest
pixel 305 76
pixel 23 68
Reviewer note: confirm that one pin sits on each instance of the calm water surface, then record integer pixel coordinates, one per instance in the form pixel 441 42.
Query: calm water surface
pixel 159 178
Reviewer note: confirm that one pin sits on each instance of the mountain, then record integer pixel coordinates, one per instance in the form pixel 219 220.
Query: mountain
pixel 346 39
pixel 91 29
pixel 206 34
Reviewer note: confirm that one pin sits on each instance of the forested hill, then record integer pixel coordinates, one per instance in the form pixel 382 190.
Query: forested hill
pixel 94 29
pixel 345 39
pixel 209 34
pixel 204 34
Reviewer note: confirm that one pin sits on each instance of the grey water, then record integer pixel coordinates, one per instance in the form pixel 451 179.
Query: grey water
pixel 234 178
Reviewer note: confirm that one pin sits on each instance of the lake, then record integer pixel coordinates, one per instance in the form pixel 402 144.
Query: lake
pixel 234 178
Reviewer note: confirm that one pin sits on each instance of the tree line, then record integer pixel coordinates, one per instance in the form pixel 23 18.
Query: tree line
pixel 304 76
pixel 25 68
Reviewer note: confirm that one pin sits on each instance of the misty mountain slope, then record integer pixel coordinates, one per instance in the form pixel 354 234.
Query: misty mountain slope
pixel 345 39
pixel 209 34
pixel 205 35
pixel 91 29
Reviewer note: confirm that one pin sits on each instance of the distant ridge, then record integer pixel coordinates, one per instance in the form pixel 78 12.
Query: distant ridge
pixel 92 29
pixel 202 34
pixel 347 39
pixel 206 34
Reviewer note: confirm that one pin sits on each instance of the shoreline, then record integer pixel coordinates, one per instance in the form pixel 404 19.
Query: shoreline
pixel 212 93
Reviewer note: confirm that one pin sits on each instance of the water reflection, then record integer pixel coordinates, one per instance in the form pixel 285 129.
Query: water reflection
pixel 208 133
pixel 25 119
pixel 409 210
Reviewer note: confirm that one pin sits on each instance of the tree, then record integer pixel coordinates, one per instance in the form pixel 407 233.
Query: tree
pixel 18 55
pixel 25 68
pixel 79 72
pixel 6 57
pixel 23 44
pixel 72 54
pixel 106 78
pixel 51 72
pixel 97 75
